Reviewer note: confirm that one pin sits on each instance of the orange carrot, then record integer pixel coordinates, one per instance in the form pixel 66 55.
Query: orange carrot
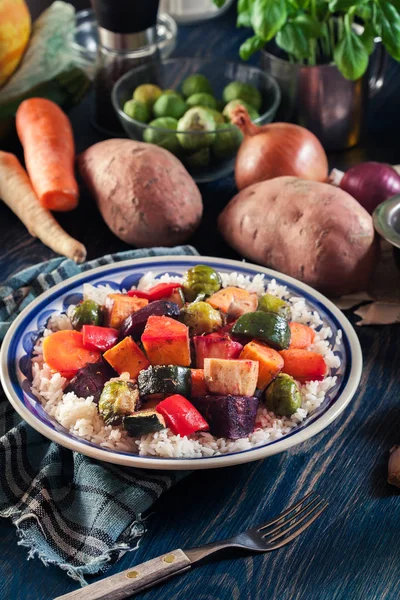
pixel 301 336
pixel 304 365
pixel 270 361
pixel 63 351
pixel 198 383
pixel 16 191
pixel 46 136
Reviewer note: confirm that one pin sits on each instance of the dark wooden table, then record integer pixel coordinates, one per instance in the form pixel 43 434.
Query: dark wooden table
pixel 353 552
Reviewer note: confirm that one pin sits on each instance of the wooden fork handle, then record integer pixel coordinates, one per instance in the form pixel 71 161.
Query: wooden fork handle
pixel 133 580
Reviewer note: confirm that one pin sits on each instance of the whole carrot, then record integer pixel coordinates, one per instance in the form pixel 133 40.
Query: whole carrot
pixel 46 136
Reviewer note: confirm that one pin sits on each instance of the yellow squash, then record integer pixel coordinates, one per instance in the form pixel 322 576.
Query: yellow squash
pixel 15 29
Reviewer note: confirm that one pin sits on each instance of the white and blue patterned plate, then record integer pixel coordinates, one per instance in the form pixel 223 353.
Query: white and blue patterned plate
pixel 15 362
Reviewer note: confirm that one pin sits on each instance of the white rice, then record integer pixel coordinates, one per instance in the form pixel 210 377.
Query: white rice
pixel 80 415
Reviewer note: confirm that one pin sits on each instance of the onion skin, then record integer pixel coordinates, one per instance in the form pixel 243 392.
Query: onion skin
pixel 371 183
pixel 275 150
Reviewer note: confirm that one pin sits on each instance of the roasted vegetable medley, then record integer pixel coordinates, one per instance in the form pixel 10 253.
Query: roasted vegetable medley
pixel 172 114
pixel 191 356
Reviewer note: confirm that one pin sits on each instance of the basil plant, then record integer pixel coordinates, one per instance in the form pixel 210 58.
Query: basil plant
pixel 315 32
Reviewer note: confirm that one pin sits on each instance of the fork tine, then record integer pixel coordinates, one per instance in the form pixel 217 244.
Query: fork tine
pixel 286 540
pixel 285 513
pixel 305 507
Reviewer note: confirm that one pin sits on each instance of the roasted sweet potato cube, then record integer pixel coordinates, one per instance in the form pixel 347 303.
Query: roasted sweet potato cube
pixel 166 342
pixel 127 357
pixel 269 360
pixel 119 306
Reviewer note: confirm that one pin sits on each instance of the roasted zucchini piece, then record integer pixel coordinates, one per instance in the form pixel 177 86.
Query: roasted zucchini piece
pixel 283 395
pixel 144 422
pixel 265 326
pixel 164 380
pixel 118 399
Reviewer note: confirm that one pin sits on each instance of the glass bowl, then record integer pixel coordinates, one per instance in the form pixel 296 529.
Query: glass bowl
pixel 169 74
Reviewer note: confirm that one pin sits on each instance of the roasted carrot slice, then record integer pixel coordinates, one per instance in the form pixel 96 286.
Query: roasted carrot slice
pixel 64 352
pixel 270 361
pixel 198 383
pixel 303 365
pixel 301 336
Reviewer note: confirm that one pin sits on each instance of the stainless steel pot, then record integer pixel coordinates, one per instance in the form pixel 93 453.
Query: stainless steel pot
pixel 322 100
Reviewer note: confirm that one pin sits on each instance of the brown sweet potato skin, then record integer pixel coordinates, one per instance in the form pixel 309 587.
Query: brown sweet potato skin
pixel 311 231
pixel 143 192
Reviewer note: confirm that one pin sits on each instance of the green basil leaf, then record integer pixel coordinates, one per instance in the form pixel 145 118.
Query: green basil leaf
pixel 387 22
pixel 268 17
pixel 244 9
pixel 293 40
pixel 364 12
pixel 250 46
pixel 219 3
pixel 310 26
pixel 343 5
pixel 351 56
pixel 368 37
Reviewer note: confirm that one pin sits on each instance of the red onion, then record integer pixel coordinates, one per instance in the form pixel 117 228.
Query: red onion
pixel 276 149
pixel 371 183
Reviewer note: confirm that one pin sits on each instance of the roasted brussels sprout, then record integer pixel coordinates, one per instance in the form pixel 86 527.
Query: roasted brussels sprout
pixel 199 159
pixel 196 84
pixel 147 93
pixel 169 105
pixel 201 100
pixel 227 141
pixel 118 398
pixel 200 279
pixel 201 317
pixel 87 312
pixel 242 91
pixel 253 114
pixel 283 395
pixel 137 110
pixel 198 120
pixel 166 140
pixel 270 303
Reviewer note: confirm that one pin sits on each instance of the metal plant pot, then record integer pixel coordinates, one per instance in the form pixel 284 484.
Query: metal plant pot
pixel 322 100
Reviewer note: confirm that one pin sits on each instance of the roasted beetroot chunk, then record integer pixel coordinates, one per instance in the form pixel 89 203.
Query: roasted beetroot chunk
pixel 231 417
pixel 134 324
pixel 90 380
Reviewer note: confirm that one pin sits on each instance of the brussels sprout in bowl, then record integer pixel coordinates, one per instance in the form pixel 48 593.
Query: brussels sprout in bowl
pixel 203 139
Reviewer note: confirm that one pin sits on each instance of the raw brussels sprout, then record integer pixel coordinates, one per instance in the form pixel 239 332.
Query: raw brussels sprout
pixel 169 105
pixel 147 93
pixel 243 91
pixel 137 110
pixel 227 141
pixel 196 84
pixel 196 119
pixel 118 398
pixel 200 279
pixel 166 140
pixel 201 99
pixel 283 395
pixel 199 159
pixel 253 114
pixel 201 317
pixel 87 312
pixel 270 303
pixel 218 116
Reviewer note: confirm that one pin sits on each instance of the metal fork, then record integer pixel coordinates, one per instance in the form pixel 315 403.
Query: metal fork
pixel 270 536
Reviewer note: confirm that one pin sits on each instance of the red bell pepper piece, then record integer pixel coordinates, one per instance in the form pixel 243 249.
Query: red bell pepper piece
pixel 161 290
pixel 99 338
pixel 181 416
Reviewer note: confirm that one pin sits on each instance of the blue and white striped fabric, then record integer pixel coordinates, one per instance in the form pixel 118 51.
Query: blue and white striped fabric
pixel 69 510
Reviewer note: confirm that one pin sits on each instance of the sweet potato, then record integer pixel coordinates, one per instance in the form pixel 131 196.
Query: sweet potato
pixel 269 360
pixel 144 193
pixel 309 230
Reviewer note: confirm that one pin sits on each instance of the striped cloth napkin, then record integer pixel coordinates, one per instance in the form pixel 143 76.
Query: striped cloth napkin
pixel 69 510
